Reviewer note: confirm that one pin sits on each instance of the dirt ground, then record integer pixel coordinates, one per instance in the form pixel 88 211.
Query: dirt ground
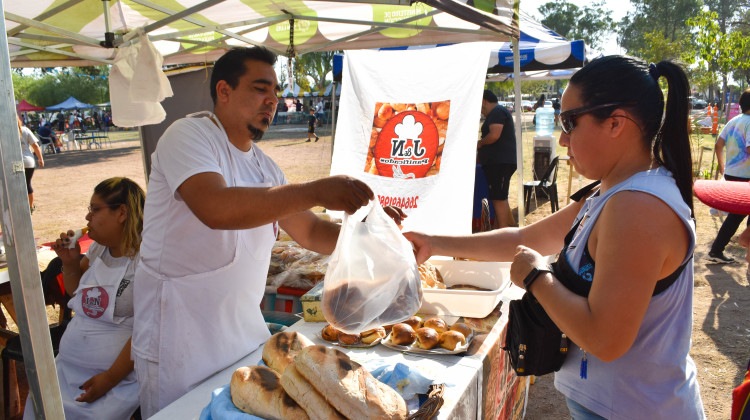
pixel 721 333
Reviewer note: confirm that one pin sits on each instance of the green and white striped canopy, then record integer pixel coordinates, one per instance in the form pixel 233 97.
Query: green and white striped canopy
pixel 47 33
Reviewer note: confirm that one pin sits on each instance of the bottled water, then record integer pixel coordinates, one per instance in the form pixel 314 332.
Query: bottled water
pixel 545 121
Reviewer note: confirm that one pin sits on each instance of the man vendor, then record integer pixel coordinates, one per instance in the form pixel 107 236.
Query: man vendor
pixel 213 208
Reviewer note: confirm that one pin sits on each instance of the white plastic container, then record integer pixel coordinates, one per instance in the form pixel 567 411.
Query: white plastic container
pixel 494 276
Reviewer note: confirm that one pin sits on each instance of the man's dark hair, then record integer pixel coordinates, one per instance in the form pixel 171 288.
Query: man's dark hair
pixel 489 97
pixel 231 66
pixel 745 101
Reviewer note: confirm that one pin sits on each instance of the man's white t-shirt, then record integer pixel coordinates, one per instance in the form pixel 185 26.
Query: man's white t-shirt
pixel 319 108
pixel 27 140
pixel 175 242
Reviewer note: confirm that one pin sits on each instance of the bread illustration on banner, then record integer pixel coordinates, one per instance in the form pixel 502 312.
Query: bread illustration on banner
pixel 257 390
pixel 280 349
pixel 349 387
pixel 307 396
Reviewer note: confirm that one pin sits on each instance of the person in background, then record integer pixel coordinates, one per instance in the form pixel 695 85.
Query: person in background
pixel 214 206
pixel 311 122
pixel 496 151
pixel 539 104
pixel 29 149
pixel 297 105
pixel 94 366
pixel 735 136
pixel 46 132
pixel 556 107
pixel 319 112
pixel 622 286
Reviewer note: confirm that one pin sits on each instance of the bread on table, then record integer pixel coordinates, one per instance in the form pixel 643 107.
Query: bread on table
pixel 370 336
pixel 427 338
pixel 431 278
pixel 436 324
pixel 349 339
pixel 347 386
pixel 307 396
pixel 330 333
pixel 415 322
pixel 449 340
pixel 462 328
pixel 280 349
pixel 403 334
pixel 257 390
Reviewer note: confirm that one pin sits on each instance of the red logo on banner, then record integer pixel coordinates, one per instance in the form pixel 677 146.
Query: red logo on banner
pixel 94 301
pixel 407 139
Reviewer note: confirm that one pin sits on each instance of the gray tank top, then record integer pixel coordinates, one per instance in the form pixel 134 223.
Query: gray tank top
pixel 656 378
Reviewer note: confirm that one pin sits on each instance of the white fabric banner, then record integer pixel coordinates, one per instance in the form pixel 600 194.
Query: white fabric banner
pixel 408 127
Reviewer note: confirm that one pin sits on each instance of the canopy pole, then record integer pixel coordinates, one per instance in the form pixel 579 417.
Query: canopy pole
pixel 109 36
pixel 519 120
pixel 333 117
pixel 18 236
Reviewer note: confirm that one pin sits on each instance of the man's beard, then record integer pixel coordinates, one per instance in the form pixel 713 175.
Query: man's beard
pixel 256 132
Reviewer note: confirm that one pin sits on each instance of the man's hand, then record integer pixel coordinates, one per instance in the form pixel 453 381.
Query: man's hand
pixel 342 192
pixel 395 213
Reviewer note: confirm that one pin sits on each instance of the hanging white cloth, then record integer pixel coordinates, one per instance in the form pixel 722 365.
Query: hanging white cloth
pixel 137 85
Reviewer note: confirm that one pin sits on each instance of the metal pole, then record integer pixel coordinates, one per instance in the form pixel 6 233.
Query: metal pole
pixel 333 117
pixel 519 121
pixel 18 235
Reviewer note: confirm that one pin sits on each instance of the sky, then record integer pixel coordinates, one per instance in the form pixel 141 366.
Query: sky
pixel 619 9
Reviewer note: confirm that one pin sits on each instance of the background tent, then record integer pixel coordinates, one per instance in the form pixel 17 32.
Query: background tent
pixel 24 106
pixel 70 103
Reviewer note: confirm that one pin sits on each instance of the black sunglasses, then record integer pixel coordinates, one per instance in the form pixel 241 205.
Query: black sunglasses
pixel 568 118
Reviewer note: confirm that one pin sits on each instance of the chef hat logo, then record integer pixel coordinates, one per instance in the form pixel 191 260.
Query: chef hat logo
pixel 93 293
pixel 408 128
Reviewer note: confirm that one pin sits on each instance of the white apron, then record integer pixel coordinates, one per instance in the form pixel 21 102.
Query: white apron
pixel 210 320
pixel 91 343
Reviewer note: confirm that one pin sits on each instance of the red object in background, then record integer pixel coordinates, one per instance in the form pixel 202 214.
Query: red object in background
pixel 741 399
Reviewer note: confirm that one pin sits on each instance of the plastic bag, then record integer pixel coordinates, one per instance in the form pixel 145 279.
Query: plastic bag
pixel 372 278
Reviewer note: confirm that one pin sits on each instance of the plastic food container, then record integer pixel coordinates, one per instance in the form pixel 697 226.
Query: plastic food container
pixel 494 276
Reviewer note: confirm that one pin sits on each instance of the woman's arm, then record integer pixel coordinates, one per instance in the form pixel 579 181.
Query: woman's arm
pixel 632 252
pixel 546 236
pixel 38 152
pixel 100 384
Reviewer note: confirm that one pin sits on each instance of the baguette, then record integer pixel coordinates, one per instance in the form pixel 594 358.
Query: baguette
pixel 257 390
pixel 307 396
pixel 280 349
pixel 347 386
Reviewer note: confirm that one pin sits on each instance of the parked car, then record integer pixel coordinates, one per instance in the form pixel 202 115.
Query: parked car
pixel 548 103
pixel 527 106
pixel 696 103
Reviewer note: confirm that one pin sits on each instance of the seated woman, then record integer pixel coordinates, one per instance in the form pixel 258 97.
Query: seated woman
pixel 94 367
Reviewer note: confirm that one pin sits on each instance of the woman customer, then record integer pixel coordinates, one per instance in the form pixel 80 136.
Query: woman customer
pixel 94 367
pixel 629 253
pixel 29 148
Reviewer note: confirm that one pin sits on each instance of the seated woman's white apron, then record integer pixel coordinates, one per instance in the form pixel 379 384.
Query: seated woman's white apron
pixel 91 343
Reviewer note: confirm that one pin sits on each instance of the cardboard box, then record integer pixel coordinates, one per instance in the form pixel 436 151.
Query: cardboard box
pixel 494 276
pixel 311 309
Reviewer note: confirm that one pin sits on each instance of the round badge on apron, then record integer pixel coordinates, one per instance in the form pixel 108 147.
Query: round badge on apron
pixel 94 301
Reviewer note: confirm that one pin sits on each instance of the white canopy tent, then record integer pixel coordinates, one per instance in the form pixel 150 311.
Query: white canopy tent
pixel 47 33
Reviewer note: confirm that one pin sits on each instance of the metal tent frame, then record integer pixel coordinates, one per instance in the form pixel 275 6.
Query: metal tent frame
pixel 57 46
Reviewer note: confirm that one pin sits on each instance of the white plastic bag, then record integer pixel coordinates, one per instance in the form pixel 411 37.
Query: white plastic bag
pixel 372 278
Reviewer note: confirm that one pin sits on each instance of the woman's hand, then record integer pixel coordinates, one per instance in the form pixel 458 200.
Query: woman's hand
pixel 523 262
pixel 422 245
pixel 67 255
pixel 96 386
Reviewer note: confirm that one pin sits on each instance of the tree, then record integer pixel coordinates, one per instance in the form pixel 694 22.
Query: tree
pixel 590 23
pixel 718 51
pixel 315 66
pixel 50 89
pixel 658 47
pixel 669 17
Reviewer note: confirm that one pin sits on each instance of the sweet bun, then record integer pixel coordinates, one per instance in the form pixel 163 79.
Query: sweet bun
pixel 280 349
pixel 436 324
pixel 462 328
pixel 388 328
pixel 449 340
pixel 427 338
pixel 349 339
pixel 329 333
pixel 257 390
pixel 369 337
pixel 415 322
pixel 403 335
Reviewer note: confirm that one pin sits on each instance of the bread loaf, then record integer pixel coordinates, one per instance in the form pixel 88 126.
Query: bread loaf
pixel 257 390
pixel 280 349
pixel 350 389
pixel 307 396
